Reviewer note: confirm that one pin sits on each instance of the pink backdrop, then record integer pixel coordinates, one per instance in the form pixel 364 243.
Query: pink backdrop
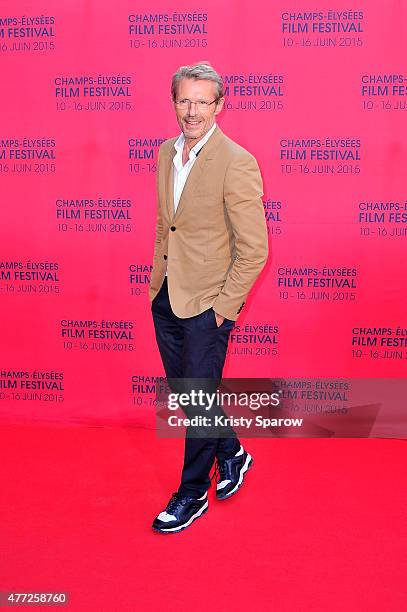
pixel 317 92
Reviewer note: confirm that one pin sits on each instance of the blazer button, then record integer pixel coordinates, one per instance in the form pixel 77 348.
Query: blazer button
pixel 165 256
pixel 173 228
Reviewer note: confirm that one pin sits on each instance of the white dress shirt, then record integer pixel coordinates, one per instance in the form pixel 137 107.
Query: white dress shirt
pixel 181 171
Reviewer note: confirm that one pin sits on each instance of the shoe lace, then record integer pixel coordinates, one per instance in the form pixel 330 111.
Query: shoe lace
pixel 175 501
pixel 219 472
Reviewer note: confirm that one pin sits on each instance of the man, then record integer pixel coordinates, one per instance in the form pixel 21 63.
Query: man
pixel 211 244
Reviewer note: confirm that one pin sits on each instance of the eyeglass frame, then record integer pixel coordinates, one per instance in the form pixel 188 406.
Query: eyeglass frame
pixel 198 102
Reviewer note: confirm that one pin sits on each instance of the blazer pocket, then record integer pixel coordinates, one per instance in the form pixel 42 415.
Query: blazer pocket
pixel 208 196
pixel 218 261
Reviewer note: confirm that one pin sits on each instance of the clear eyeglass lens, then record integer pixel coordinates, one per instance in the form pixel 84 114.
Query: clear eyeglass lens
pixel 201 104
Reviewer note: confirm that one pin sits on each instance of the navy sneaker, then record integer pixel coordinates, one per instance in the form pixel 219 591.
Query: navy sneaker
pixel 230 473
pixel 180 512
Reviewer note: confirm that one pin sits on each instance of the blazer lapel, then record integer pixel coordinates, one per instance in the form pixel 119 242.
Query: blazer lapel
pixel 170 184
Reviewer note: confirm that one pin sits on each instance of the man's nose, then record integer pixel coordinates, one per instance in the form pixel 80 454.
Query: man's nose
pixel 192 109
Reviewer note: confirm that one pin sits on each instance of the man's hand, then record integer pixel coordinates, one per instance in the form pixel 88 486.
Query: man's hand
pixel 219 319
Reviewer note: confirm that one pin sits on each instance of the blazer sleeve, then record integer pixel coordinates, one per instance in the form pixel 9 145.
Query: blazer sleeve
pixel 159 219
pixel 243 190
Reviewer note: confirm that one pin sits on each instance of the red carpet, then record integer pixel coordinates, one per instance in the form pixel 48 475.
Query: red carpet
pixel 318 524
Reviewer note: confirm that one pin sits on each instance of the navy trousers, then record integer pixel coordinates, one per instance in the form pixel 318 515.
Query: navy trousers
pixel 194 348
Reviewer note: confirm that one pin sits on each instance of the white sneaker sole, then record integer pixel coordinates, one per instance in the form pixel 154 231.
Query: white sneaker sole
pixel 185 525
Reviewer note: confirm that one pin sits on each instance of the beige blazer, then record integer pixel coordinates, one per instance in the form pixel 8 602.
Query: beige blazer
pixel 216 244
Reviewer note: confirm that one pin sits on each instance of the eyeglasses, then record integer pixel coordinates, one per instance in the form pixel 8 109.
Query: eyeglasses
pixel 201 104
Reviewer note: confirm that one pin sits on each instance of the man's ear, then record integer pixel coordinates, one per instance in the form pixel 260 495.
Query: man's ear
pixel 219 106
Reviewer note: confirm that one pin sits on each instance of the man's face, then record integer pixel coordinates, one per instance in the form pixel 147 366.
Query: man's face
pixel 193 121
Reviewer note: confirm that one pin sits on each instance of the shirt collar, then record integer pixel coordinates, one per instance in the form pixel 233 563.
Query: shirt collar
pixel 179 143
